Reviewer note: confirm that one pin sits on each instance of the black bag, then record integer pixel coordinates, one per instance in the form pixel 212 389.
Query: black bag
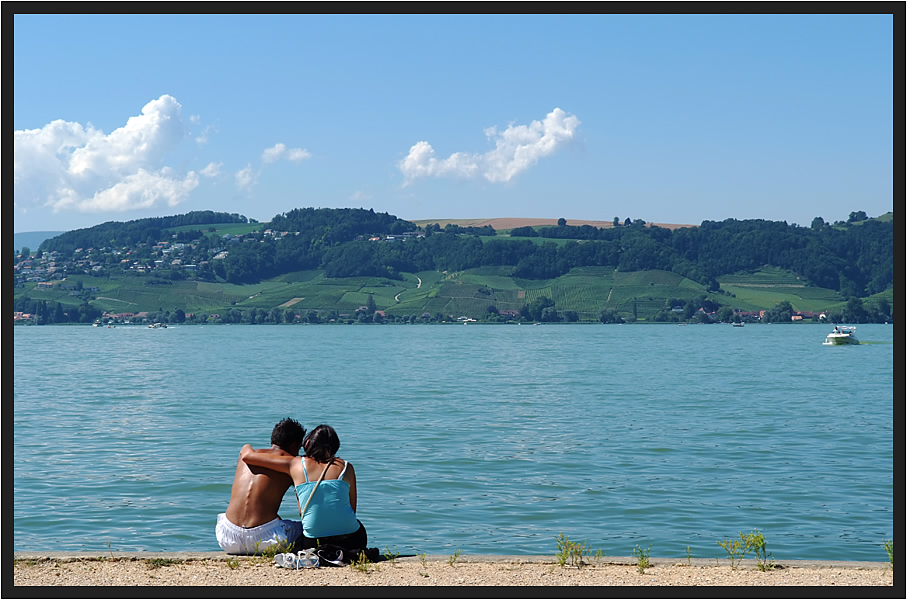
pixel 330 555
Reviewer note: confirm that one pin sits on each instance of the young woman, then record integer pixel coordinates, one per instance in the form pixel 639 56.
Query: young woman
pixel 325 489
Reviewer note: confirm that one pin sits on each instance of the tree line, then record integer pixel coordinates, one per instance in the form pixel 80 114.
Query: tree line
pixel 46 312
pixel 149 231
pixel 855 258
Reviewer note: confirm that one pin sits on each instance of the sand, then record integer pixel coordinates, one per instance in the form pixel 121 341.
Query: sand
pixel 203 569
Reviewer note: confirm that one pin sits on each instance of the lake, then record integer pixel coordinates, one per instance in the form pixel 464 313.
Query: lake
pixel 480 438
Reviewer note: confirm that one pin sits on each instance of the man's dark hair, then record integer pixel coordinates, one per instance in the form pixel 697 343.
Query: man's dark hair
pixel 287 433
pixel 322 444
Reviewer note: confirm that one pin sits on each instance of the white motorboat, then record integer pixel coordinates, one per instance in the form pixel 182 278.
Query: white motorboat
pixel 841 336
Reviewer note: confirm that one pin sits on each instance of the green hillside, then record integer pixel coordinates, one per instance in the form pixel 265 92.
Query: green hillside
pixel 339 264
pixel 469 293
pixel 769 286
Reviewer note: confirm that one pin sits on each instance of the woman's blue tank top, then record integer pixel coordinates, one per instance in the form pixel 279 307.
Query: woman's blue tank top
pixel 329 513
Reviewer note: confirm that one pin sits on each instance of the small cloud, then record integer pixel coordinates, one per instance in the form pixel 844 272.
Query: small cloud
pixel 212 170
pixel 272 154
pixel 360 196
pixel 421 162
pixel 298 154
pixel 245 178
pixel 517 148
pixel 279 151
pixel 202 138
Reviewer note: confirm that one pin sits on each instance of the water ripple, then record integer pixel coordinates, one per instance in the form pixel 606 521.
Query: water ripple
pixel 484 439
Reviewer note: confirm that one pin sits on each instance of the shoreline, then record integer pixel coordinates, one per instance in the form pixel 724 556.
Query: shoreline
pixel 216 568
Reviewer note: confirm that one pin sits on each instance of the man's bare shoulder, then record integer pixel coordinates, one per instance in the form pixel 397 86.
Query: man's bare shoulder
pixel 276 450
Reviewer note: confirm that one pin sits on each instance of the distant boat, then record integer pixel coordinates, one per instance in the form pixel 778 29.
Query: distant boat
pixel 841 336
pixel 738 324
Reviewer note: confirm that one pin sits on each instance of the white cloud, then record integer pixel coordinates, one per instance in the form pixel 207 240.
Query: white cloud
pixel 202 138
pixel 421 162
pixel 517 148
pixel 212 170
pixel 245 178
pixel 142 190
pixel 248 177
pixel 298 154
pixel 272 154
pixel 66 166
pixel 279 151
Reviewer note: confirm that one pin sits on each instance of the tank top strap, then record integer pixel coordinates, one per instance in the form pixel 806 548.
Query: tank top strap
pixel 304 472
pixel 343 472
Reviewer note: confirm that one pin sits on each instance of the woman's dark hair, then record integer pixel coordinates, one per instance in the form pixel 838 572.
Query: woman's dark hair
pixel 321 444
pixel 287 433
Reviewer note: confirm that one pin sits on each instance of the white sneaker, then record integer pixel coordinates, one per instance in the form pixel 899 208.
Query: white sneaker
pixel 287 561
pixel 306 559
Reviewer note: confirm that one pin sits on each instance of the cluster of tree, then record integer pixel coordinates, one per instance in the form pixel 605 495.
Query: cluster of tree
pixel 320 238
pixel 487 230
pixel 576 232
pixel 46 312
pixel 609 315
pixel 855 258
pixel 694 309
pixel 855 217
pixel 259 316
pixel 140 231
pixel 252 262
pixel 332 226
pixel 856 311
pixel 855 261
pixel 25 253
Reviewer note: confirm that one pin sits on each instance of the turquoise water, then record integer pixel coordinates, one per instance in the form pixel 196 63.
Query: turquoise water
pixel 486 439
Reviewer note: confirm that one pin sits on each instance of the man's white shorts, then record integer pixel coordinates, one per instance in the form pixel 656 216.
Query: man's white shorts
pixel 239 540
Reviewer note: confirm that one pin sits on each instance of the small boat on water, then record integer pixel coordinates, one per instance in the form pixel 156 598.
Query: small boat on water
pixel 841 335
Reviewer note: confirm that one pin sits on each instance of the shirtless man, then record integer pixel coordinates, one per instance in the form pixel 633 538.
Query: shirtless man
pixel 251 524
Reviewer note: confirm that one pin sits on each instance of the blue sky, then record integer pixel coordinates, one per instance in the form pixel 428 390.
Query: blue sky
pixel 670 119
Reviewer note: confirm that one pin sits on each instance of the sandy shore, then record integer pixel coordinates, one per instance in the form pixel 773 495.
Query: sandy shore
pixel 197 569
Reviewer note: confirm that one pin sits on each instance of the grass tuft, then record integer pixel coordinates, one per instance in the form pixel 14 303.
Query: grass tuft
pixel 453 558
pixel 569 552
pixel 157 563
pixel 363 564
pixel 391 557
pixel 749 542
pixel 642 558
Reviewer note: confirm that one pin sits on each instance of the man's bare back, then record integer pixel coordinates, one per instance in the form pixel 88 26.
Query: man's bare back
pixel 257 493
pixel 250 524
